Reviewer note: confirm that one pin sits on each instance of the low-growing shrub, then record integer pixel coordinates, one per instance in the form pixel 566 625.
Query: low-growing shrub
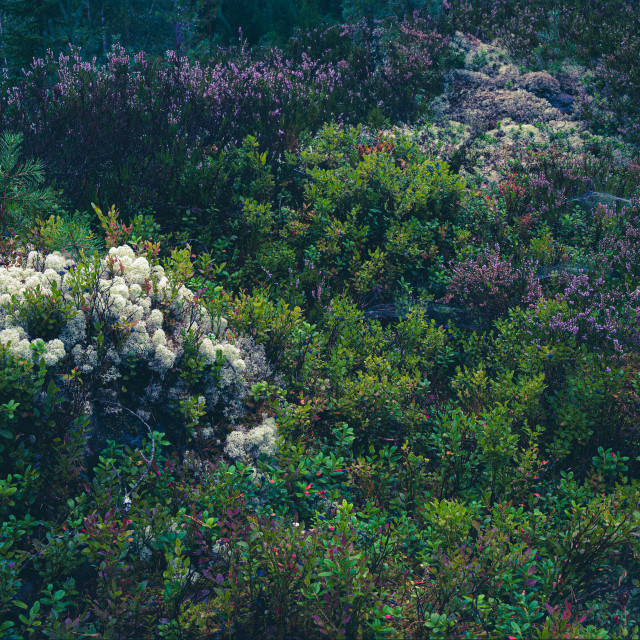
pixel 491 284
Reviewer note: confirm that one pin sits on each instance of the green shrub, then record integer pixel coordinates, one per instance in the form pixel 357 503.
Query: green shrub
pixel 23 194
pixel 40 313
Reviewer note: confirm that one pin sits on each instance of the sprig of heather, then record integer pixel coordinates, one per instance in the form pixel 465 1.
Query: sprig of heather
pixel 489 283
pixel 144 117
pixel 600 306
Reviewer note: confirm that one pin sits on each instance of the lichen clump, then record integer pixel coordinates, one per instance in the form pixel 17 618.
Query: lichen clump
pixel 259 440
pixel 136 334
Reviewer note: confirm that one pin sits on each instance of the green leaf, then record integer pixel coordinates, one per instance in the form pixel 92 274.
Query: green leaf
pixel 35 609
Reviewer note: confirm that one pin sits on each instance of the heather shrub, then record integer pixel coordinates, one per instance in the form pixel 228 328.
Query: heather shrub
pixel 593 313
pixel 484 218
pixel 618 246
pixel 553 187
pixel 545 35
pixel 162 121
pixel 617 79
pixel 186 101
pixel 491 284
pixel 377 58
pixel 526 342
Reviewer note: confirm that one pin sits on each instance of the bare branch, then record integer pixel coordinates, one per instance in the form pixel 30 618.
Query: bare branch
pixel 127 495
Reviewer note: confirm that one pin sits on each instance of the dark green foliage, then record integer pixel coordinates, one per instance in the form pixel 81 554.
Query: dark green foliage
pixel 21 190
pixel 19 385
pixel 222 21
pixel 30 29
